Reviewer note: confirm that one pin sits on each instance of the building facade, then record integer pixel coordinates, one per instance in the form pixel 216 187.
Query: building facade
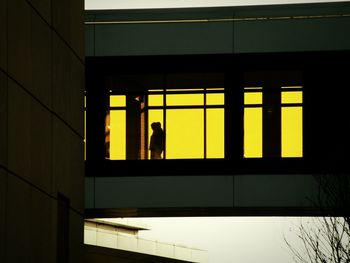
pixel 41 131
pixel 119 240
pixel 269 79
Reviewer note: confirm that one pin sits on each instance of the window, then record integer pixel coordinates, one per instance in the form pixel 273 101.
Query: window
pixel 192 119
pixel 219 115
pixel 253 122
pixel 285 117
pixel 116 128
pixel 291 122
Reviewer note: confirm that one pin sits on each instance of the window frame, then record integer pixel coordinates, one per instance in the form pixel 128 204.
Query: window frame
pixel 146 108
pixel 233 163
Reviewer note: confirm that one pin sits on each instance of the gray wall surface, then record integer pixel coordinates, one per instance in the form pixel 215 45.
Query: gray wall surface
pixel 41 127
pixel 219 30
pixel 246 191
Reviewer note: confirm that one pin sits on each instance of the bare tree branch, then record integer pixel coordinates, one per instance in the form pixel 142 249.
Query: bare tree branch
pixel 327 239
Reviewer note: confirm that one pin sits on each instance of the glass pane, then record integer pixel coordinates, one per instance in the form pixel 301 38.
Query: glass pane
pixel 153 116
pixel 215 133
pixel 215 99
pixel 155 100
pixel 252 98
pixel 292 131
pixel 292 97
pixel 184 134
pixel 117 134
pixel 253 133
pixel 117 101
pixel 184 99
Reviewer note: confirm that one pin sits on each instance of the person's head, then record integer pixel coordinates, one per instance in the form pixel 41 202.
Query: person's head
pixel 156 126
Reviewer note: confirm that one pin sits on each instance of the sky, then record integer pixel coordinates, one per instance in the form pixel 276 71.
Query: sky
pixel 228 239
pixel 141 4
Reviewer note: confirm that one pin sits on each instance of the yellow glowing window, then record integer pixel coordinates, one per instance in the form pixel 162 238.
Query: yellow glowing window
pixel 117 101
pixel 184 99
pixel 253 133
pixel 252 98
pixel 291 97
pixel 187 133
pixel 117 134
pixel 184 133
pixel 215 133
pixel 292 132
pixel 253 122
pixel 155 100
pixel 215 99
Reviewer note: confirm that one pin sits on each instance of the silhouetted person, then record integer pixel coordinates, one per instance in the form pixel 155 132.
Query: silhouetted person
pixel 157 141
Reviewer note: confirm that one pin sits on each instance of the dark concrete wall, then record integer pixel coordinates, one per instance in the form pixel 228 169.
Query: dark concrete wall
pixel 41 127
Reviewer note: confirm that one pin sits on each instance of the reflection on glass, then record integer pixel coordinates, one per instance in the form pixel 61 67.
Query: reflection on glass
pixel 253 130
pixel 107 136
pixel 292 131
pixel 184 133
pixel 215 133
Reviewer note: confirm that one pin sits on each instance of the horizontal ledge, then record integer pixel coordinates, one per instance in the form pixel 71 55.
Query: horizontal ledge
pixel 209 211
pixel 214 20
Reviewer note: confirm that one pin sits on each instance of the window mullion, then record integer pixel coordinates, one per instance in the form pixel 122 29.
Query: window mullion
pixel 205 123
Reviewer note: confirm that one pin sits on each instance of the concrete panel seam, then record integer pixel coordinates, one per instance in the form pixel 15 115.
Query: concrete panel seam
pixel 67 44
pixel 58 34
pixel 9 172
pixel 44 106
pixel 37 12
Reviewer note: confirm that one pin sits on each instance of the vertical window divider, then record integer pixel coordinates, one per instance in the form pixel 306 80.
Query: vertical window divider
pixel 164 114
pixel 205 122
pixel 145 109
